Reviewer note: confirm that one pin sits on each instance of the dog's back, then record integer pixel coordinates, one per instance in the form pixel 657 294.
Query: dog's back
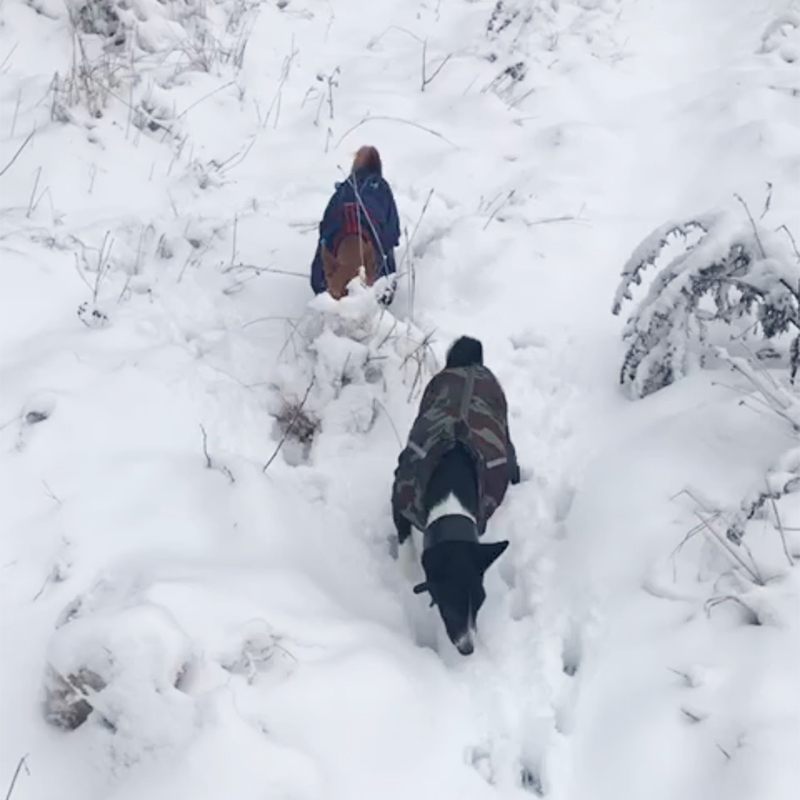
pixel 455 474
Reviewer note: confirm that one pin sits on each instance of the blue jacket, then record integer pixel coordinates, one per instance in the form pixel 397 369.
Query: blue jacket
pixel 339 217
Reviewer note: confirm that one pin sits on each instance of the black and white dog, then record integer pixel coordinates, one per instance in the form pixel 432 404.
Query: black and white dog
pixel 450 478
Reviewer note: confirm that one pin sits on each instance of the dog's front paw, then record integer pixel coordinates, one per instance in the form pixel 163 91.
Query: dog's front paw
pixel 394 546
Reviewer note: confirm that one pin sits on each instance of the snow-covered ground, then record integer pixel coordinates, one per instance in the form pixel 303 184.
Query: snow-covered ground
pixel 254 634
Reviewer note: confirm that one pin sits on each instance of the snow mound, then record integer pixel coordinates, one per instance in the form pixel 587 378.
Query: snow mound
pixel 121 669
pixel 349 358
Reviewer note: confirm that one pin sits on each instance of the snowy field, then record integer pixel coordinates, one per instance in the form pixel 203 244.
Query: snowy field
pixel 163 167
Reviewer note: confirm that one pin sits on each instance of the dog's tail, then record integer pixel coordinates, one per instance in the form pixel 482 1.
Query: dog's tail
pixel 465 352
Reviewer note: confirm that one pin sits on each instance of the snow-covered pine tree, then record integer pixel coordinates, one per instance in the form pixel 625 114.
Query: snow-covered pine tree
pixel 729 269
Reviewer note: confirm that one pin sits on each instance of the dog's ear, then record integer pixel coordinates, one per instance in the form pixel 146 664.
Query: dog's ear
pixel 489 553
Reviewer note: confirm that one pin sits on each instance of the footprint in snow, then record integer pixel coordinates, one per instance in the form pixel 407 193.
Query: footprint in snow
pixel 530 780
pixel 480 758
pixel 37 410
pixel 572 651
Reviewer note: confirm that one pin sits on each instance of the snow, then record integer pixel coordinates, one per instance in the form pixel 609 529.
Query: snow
pixel 253 634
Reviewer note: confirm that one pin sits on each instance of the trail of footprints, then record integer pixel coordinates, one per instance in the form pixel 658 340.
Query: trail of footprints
pixel 529 696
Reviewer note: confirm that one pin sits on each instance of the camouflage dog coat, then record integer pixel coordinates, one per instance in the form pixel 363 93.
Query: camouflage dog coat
pixel 466 405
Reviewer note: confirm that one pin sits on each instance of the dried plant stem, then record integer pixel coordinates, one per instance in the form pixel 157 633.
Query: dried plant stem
pixel 425 79
pixel 723 545
pixel 502 204
pixel 233 248
pixel 290 425
pixel 33 193
pixel 753 223
pixel 16 111
pixel 204 98
pixel 16 155
pixel 20 766
pixel 205 446
pixel 391 422
pixel 791 239
pixel 767 201
pixel 779 525
pixel 259 270
pixel 209 463
pixel 386 118
pixel 731 598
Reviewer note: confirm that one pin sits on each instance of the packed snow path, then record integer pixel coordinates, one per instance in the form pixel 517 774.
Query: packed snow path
pixel 260 639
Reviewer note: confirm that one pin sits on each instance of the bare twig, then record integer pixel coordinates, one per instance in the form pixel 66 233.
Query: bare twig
pixel 426 80
pixel 391 422
pixel 172 203
pixel 33 193
pixel 691 716
pixel 687 678
pixel 266 319
pixel 791 238
pixel 50 493
pixel 276 100
pixel 16 111
pixel 137 263
pixel 237 158
pixel 204 98
pixel 388 335
pixel 386 118
pixel 549 220
pixel 209 465
pixel 795 292
pixel 47 580
pixel 505 200
pixel 103 264
pixel 769 398
pixel 725 547
pixel 747 395
pixel 407 253
pixel 332 83
pixel 753 223
pixel 416 227
pixel 290 425
pixel 20 766
pixel 259 270
pixel 233 248
pixel 80 273
pixel 752 616
pixel 780 526
pixel 697 528
pixel 16 155
pixel 418 355
pixel 759 367
pixel 293 325
pixel 412 268
pixel 768 201
pixel 8 57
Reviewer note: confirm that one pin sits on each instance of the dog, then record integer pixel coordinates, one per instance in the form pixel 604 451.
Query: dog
pixel 450 478
pixel 360 228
